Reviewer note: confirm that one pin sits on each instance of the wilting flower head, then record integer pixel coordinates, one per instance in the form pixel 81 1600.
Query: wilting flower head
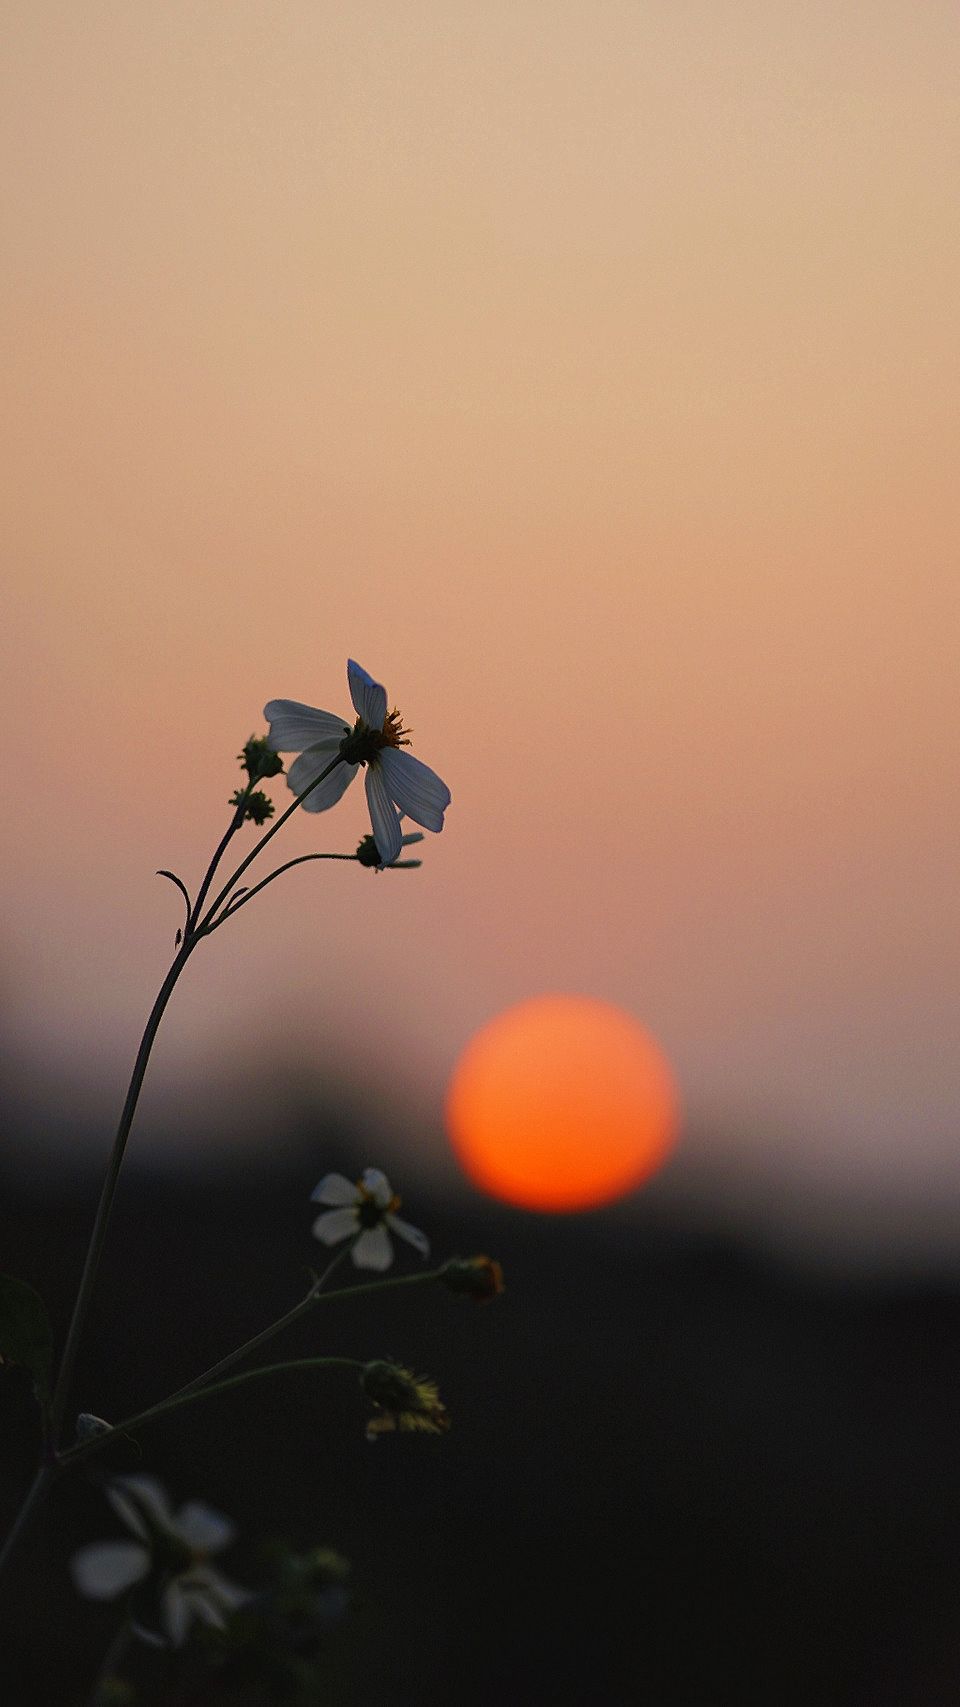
pixel 404 1402
pixel 175 1548
pixel 480 1278
pixel 368 853
pixel 395 782
pixel 364 1212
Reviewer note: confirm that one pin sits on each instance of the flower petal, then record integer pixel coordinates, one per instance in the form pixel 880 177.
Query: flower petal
pixel 376 1184
pixel 369 698
pixel 203 1528
pixel 413 1235
pixel 417 790
pixel 294 726
pixel 373 1249
pixel 226 1593
pixel 140 1500
pixel 149 1636
pixel 208 1596
pixel 310 765
pixel 105 1569
pixel 335 1189
pixel 337 1224
pixel 176 1614
pixel 383 815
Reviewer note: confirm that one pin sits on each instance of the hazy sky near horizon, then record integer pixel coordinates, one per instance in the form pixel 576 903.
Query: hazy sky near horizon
pixel 590 373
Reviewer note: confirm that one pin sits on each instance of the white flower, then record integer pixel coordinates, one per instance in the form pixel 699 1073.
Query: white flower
pixel 364 1212
pixel 175 1547
pixel 395 782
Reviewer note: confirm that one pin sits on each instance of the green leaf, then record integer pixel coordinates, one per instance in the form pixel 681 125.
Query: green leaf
pixel 26 1337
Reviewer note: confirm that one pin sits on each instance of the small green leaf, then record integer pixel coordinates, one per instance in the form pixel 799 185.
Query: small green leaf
pixel 26 1337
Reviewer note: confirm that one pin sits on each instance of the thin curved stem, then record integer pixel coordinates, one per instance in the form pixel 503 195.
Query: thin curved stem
pixel 254 1344
pixel 97 1442
pixel 105 1205
pixel 201 926
pixel 206 1383
pixel 248 894
pixel 315 1296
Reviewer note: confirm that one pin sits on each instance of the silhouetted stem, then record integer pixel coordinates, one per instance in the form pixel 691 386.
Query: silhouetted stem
pixel 115 1654
pixel 34 1499
pixel 97 1442
pixel 266 1334
pixel 227 836
pixel 235 906
pixel 105 1205
pixel 205 923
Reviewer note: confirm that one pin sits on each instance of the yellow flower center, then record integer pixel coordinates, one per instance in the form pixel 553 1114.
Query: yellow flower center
pixel 362 744
pixel 393 733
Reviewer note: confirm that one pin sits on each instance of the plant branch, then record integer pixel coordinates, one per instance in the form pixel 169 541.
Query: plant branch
pixel 202 925
pixel 100 1695
pixel 96 1443
pixel 228 834
pixel 35 1497
pixel 248 894
pixel 109 1188
pixel 315 1296
pixel 254 1344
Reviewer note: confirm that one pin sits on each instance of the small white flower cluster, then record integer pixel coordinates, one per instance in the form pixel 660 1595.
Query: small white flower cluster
pixel 396 783
pixel 175 1547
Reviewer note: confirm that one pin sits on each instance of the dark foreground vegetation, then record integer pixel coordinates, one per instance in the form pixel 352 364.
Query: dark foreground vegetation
pixel 677 1475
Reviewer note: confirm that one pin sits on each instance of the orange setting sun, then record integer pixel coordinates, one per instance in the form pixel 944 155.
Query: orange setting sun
pixel 561 1102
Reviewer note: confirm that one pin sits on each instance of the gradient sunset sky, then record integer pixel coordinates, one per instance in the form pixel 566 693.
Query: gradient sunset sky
pixel 590 373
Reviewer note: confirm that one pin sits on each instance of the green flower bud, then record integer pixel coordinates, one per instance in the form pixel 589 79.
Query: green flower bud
pixel 259 760
pixel 256 806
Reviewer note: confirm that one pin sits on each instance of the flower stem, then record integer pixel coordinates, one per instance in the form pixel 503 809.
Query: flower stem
pixel 234 906
pixel 314 1296
pixel 36 1494
pixel 105 1205
pixel 195 929
pixel 203 925
pixel 227 836
pixel 207 1383
pixel 97 1442
pixel 99 1695
pixel 266 1334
